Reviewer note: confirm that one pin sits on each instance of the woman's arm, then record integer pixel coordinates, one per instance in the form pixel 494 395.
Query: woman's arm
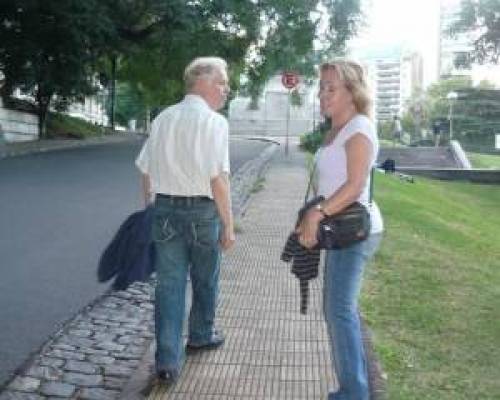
pixel 358 154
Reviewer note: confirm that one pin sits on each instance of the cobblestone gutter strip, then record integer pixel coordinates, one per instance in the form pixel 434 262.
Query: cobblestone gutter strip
pixel 94 354
pixel 243 182
pixel 97 352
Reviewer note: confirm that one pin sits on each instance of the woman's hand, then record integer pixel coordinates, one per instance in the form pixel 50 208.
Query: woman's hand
pixel 308 228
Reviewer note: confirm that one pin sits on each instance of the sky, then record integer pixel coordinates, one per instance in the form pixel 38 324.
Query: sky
pixel 413 23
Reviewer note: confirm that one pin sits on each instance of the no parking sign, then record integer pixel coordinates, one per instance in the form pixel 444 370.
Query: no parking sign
pixel 289 79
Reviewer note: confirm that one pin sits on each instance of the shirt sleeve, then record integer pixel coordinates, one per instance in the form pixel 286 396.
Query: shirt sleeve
pixel 220 160
pixel 225 167
pixel 364 127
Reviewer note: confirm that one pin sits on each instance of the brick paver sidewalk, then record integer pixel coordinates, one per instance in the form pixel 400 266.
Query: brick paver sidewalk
pixel 271 350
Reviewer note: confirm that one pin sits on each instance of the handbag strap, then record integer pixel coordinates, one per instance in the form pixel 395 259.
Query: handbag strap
pixel 311 176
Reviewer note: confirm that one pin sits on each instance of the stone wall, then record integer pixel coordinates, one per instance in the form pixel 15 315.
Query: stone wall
pixel 18 126
pixel 487 176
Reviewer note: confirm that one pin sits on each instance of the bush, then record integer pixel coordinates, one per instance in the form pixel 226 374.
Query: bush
pixel 311 141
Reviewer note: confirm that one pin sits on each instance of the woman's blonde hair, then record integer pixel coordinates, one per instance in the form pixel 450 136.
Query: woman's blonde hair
pixel 354 78
pixel 203 68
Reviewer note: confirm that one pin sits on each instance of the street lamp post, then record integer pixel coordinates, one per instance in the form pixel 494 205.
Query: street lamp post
pixel 452 97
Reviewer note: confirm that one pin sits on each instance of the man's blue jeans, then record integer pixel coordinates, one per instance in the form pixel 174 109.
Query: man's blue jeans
pixel 186 237
pixel 342 283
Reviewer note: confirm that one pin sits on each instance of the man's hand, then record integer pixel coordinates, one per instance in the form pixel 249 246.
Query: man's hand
pixel 222 198
pixel 146 190
pixel 227 238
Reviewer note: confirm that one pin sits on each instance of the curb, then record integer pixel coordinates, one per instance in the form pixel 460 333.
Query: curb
pixel 377 379
pixel 243 182
pixel 44 146
pixel 99 350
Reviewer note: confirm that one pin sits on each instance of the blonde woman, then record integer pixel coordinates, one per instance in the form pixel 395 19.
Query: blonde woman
pixel 343 176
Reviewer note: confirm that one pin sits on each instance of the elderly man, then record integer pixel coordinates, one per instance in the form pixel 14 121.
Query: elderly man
pixel 185 167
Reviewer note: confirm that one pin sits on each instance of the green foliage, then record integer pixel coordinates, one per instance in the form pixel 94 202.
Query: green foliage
pixel 129 104
pixel 295 98
pixel 475 112
pixel 385 130
pixel 431 297
pixel 62 49
pixel 488 161
pixel 269 35
pixel 288 30
pixel 312 141
pixel 65 126
pixel 482 18
pixel 437 105
pixel 49 48
pixel 162 37
pixel 408 123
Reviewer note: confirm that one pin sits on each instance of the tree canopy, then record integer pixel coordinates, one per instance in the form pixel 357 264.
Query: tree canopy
pixel 257 38
pixel 482 18
pixel 475 111
pixel 49 48
pixel 61 50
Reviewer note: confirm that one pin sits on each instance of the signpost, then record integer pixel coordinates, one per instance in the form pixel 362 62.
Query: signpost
pixel 289 80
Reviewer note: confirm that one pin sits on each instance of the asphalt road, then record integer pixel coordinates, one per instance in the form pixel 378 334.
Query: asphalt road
pixel 58 211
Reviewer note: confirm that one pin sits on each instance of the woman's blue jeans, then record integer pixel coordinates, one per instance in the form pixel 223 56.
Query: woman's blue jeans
pixel 342 283
pixel 186 238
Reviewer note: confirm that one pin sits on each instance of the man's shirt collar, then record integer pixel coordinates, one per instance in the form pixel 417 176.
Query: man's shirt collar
pixel 195 99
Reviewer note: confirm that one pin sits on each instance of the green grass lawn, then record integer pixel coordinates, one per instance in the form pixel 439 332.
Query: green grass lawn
pixel 491 161
pixel 432 294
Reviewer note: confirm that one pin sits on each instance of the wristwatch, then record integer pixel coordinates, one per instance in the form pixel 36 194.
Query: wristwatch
pixel 319 207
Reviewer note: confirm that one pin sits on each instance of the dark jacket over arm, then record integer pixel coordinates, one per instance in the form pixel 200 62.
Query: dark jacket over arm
pixel 130 255
pixel 304 265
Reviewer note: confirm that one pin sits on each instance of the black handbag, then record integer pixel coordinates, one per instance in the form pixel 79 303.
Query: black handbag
pixel 343 229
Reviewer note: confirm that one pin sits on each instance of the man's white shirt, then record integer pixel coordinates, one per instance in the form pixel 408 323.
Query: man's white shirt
pixel 187 147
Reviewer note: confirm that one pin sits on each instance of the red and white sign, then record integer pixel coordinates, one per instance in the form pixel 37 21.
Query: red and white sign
pixel 289 79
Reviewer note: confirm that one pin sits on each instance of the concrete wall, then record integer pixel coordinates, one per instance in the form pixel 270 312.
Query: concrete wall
pixel 450 174
pixel 270 118
pixel 460 155
pixel 91 109
pixel 18 126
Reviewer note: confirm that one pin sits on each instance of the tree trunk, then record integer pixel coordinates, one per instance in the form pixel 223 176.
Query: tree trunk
pixel 43 102
pixel 113 91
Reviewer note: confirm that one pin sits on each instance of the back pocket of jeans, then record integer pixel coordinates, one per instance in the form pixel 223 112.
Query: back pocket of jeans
pixel 163 230
pixel 206 233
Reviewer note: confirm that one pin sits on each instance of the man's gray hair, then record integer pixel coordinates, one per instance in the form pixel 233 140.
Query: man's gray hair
pixel 203 68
